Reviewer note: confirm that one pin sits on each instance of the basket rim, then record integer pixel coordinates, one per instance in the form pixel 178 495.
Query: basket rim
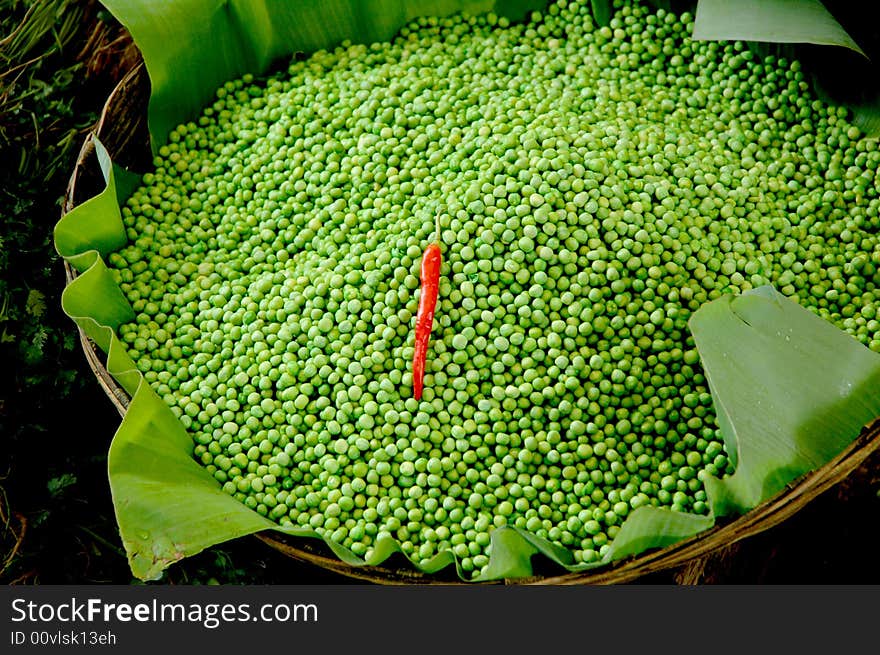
pixel 723 534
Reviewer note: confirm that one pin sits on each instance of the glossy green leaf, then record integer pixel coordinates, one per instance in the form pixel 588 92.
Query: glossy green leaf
pixel 866 117
pixel 775 21
pixel 601 11
pixel 97 229
pixel 82 237
pixel 655 527
pixel 790 391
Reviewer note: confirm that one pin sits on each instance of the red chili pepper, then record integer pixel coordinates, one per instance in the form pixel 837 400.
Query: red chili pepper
pixel 430 282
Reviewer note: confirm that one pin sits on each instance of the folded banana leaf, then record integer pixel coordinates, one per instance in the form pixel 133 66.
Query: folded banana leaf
pixel 774 21
pixel 790 390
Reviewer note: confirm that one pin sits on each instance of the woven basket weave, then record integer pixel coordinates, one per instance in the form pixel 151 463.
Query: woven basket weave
pixel 122 128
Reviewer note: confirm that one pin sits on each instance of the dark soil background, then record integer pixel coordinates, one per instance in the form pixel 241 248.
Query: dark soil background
pixel 58 61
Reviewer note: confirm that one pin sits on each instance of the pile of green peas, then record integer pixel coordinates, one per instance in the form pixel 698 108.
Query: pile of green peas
pixel 595 186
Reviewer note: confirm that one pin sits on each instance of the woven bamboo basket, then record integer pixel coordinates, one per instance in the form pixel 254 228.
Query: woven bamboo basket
pixel 122 128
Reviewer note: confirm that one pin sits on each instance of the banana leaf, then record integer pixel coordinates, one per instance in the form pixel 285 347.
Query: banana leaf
pixel 602 11
pixel 788 401
pixel 775 21
pixel 790 389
